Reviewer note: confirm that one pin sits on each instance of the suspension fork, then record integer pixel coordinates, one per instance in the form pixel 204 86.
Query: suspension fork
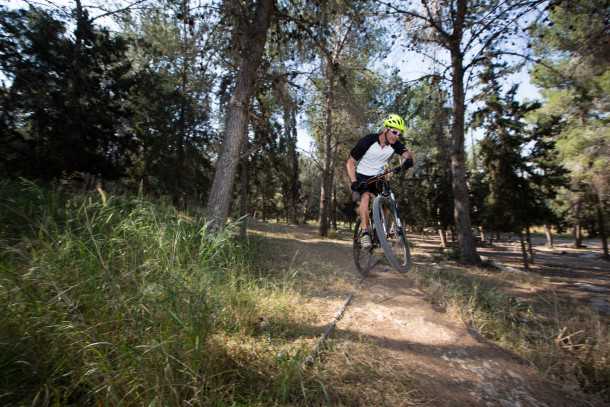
pixel 396 213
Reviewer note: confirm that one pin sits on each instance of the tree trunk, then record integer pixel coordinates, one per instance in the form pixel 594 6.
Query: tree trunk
pixel 327 171
pixel 178 184
pixel 530 249
pixel 482 232
pixel 291 188
pixel 526 266
pixel 602 225
pixel 461 212
pixel 333 208
pixel 577 232
pixel 549 236
pixel 243 199
pixel 264 202
pixel 442 233
pixel 243 191
pixel 237 118
pixel 294 167
pixel 577 229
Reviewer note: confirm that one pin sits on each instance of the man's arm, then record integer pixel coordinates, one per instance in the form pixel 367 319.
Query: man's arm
pixel 351 168
pixel 407 155
pixel 407 161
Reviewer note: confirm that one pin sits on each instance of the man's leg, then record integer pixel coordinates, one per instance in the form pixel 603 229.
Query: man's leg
pixel 363 209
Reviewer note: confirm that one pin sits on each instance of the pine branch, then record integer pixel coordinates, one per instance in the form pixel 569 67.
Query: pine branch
pixel 118 11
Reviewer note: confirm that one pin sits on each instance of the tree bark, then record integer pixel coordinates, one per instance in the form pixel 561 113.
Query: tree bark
pixel 526 266
pixel 577 226
pixel 442 233
pixel 243 199
pixel 292 190
pixel 333 209
pixel 327 171
pixel 461 210
pixel 237 118
pixel 178 184
pixel 601 220
pixel 243 191
pixel 294 179
pixel 264 201
pixel 530 249
pixel 549 236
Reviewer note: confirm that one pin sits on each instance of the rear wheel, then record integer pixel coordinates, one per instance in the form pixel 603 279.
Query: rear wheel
pixel 363 258
pixel 392 237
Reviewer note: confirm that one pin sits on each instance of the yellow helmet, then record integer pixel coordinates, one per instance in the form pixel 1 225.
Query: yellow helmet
pixel 394 121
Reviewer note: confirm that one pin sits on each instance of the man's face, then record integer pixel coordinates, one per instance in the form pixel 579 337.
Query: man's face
pixel 392 135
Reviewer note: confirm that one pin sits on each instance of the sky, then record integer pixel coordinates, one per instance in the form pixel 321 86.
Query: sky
pixel 410 67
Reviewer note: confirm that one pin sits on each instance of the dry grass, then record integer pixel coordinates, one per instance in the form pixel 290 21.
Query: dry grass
pixel 566 340
pixel 359 373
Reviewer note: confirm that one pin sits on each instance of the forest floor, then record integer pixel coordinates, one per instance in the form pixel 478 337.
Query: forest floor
pixel 396 346
pixel 580 273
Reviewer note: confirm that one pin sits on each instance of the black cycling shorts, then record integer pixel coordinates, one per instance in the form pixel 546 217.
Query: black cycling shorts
pixel 373 188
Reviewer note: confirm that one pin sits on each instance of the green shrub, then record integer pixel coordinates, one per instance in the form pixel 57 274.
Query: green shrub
pixel 122 301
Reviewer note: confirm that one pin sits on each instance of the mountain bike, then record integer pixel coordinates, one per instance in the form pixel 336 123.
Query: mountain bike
pixel 387 231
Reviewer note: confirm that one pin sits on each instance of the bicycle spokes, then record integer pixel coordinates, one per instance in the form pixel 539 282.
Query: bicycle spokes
pixel 363 258
pixel 391 236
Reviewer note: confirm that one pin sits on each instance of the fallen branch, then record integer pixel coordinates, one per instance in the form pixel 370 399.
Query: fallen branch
pixel 312 356
pixel 500 266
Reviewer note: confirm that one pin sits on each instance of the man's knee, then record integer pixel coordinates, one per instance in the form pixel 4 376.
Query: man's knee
pixel 364 200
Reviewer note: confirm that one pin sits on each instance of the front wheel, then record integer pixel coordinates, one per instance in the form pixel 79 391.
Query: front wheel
pixel 391 234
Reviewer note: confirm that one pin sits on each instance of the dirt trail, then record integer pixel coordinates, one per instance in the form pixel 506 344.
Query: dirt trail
pixel 448 364
pixel 455 367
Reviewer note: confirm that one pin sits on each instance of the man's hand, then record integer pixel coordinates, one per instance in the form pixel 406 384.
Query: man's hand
pixel 358 186
pixel 406 164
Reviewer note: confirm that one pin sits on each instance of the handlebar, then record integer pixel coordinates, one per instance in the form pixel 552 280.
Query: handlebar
pixel 378 177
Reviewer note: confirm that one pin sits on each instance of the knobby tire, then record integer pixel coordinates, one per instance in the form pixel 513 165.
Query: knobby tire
pixel 362 258
pixel 402 261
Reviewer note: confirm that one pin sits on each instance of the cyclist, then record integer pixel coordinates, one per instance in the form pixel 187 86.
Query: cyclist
pixel 368 158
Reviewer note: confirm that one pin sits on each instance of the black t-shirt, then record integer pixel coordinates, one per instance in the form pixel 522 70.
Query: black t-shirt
pixel 372 156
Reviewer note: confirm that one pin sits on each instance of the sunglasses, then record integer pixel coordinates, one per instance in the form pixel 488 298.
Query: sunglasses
pixel 396 132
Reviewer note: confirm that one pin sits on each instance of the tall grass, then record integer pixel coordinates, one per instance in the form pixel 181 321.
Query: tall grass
pixel 119 301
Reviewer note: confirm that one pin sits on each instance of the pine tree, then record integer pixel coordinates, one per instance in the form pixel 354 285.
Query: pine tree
pixel 251 35
pixel 573 70
pixel 522 176
pixel 65 101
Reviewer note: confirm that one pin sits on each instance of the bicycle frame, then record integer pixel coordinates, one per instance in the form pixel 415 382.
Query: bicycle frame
pixel 388 193
pixel 386 232
pixel 387 190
